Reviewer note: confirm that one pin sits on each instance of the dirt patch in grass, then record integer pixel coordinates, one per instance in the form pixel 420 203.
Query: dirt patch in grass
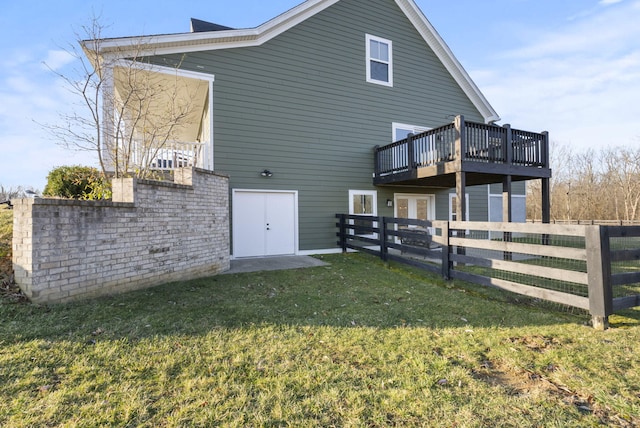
pixel 514 382
pixel 8 288
pixel 527 383
pixel 536 343
pixel 6 268
pixel 520 382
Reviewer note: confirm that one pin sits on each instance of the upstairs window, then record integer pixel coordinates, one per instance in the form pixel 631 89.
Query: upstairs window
pixel 379 61
pixel 402 130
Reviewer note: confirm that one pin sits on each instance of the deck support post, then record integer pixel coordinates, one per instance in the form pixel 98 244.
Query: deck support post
pixel 546 206
pixel 461 200
pixel 546 200
pixel 461 178
pixel 507 213
pixel 546 188
pixel 507 209
pixel 461 205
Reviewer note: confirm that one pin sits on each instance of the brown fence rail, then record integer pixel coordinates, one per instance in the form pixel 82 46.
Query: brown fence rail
pixel 592 222
pixel 592 267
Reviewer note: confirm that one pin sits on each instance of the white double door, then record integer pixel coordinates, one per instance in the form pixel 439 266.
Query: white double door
pixel 264 223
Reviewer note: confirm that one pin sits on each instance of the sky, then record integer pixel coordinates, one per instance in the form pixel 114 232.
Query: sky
pixel 569 67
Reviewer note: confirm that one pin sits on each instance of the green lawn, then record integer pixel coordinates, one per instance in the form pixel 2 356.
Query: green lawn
pixel 351 344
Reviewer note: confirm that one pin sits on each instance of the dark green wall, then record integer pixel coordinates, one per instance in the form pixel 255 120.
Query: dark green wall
pixel 300 106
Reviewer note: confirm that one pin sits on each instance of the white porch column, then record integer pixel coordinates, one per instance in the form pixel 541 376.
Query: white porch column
pixel 209 164
pixel 107 134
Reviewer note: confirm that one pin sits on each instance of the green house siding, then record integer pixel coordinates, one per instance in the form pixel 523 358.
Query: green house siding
pixel 299 105
pixel 518 188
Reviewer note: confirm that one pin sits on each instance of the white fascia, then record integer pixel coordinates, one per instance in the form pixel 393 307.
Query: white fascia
pixel 192 42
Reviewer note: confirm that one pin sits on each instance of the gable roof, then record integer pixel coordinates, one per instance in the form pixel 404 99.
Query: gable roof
pixel 198 26
pixel 225 38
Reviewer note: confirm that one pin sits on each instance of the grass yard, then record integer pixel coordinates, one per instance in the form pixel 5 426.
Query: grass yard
pixel 354 344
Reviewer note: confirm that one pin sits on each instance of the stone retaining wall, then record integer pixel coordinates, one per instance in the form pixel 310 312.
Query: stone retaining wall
pixel 151 233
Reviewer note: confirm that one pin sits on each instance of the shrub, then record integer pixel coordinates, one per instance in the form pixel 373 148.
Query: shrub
pixel 6 231
pixel 77 182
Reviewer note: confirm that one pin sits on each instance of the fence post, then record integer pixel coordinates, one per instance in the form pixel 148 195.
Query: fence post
pixel 599 274
pixel 383 239
pixel 343 232
pixel 446 249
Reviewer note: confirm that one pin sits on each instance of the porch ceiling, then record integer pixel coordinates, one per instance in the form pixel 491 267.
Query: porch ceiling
pixel 159 93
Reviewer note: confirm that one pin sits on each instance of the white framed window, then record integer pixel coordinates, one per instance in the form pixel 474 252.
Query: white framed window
pixel 453 214
pixel 452 207
pixel 379 60
pixel 400 131
pixel 424 152
pixel 363 202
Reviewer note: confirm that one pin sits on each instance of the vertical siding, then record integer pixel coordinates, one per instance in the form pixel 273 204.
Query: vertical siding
pixel 300 106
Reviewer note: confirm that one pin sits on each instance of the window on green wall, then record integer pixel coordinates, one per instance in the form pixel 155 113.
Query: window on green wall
pixel 379 60
pixel 363 202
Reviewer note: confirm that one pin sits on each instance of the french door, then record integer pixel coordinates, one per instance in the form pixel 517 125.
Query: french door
pixel 415 206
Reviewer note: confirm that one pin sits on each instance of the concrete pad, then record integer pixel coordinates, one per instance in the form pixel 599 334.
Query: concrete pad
pixel 257 264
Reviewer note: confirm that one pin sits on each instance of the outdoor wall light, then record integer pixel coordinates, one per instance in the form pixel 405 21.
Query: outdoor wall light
pixel 389 203
pixel 266 173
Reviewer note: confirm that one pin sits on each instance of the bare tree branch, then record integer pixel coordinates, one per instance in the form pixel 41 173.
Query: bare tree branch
pixel 145 110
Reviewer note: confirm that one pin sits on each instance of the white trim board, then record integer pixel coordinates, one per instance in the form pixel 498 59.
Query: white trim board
pixel 211 40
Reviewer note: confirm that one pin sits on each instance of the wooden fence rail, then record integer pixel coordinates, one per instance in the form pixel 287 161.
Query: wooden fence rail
pixel 592 267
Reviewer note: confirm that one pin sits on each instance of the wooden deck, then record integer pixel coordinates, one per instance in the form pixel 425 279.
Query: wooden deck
pixel 484 153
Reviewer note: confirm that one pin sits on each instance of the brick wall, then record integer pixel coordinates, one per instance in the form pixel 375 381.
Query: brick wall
pixel 150 233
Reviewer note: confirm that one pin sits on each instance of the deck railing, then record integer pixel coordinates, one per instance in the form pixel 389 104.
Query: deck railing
pixel 170 156
pixel 466 141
